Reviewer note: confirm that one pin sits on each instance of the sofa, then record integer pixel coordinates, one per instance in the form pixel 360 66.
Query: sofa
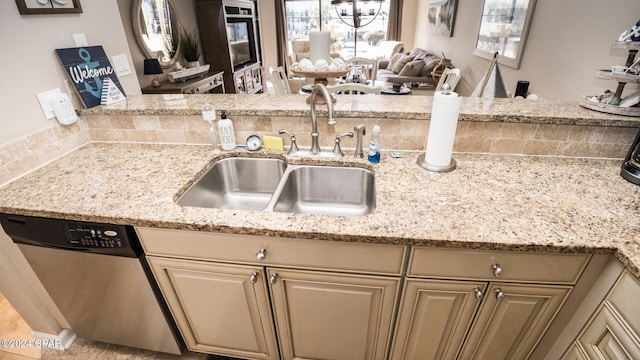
pixel 412 67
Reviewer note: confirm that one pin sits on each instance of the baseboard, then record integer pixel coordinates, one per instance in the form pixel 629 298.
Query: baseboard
pixel 61 342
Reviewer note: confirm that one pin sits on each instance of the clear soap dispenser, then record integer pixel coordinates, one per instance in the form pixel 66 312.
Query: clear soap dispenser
pixel 227 137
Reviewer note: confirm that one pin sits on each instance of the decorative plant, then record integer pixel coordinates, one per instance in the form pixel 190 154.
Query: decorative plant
pixel 189 45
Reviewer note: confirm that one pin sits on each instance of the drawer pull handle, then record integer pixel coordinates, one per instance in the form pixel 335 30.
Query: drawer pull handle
pixel 273 279
pixel 496 269
pixel 499 294
pixel 254 277
pixel 478 293
pixel 262 254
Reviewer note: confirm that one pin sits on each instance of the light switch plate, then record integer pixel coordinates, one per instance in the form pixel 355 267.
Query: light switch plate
pixel 45 102
pixel 121 64
pixel 80 40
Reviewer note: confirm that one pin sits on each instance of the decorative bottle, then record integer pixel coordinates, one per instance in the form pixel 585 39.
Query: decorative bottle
pixel 225 127
pixel 374 145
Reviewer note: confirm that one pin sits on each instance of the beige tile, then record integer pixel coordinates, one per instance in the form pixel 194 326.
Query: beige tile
pixel 591 150
pixel 98 121
pixel 552 132
pixel 586 134
pixel 143 135
pixel 255 123
pixel 170 136
pixel 15 328
pixel 23 164
pixel 507 146
pixel 173 123
pixel 519 131
pixel 197 137
pixel 618 135
pixel 146 122
pixel 470 144
pixel 541 147
pixel 480 130
pixel 121 122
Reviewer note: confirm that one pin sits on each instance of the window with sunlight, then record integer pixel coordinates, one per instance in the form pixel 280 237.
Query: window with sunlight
pixel 347 40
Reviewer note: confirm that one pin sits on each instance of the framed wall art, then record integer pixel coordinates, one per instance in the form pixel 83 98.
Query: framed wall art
pixel 504 26
pixel 441 16
pixel 44 7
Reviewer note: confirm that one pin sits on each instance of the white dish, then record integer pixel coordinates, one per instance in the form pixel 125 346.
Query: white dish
pixel 389 91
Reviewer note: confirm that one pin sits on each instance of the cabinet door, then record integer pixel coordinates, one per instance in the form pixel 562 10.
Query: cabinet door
pixel 332 316
pixel 220 309
pixel 511 320
pixel 606 337
pixel 434 318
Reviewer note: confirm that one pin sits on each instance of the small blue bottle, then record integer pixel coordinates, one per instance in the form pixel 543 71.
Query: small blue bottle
pixel 374 145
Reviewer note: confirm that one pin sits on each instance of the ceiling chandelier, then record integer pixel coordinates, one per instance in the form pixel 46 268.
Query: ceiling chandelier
pixel 357 14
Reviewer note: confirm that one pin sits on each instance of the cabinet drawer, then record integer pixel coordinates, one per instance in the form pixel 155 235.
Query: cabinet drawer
pixel 478 265
pixel 314 254
pixel 624 299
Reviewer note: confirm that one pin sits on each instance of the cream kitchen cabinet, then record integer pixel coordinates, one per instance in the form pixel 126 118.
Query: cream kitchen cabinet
pixel 472 304
pixel 328 300
pixel 613 332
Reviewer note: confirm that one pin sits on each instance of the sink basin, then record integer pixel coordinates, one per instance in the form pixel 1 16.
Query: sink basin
pixel 236 183
pixel 327 190
pixel 265 184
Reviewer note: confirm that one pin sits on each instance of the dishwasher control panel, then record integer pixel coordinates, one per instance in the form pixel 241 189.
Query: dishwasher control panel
pixel 90 235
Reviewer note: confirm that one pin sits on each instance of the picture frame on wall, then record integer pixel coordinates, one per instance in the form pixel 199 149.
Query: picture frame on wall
pixel 441 16
pixel 45 7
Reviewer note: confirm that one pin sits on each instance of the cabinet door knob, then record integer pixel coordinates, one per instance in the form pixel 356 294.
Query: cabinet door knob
pixel 254 277
pixel 496 269
pixel 478 293
pixel 273 279
pixel 262 254
pixel 499 294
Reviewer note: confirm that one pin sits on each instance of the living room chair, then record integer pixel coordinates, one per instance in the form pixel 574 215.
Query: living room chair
pixel 279 80
pixel 370 66
pixel 353 89
pixel 449 76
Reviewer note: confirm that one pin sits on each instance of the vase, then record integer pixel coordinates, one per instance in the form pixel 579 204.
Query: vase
pixel 192 64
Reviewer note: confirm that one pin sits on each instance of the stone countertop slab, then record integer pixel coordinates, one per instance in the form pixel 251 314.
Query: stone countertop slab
pixel 540 111
pixel 522 203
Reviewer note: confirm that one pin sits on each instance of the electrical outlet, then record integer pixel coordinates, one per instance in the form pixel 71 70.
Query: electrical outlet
pixel 80 40
pixel 45 102
pixel 121 64
pixel 63 108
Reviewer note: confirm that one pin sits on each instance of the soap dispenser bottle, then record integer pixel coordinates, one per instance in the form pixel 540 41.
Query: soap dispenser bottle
pixel 374 145
pixel 225 127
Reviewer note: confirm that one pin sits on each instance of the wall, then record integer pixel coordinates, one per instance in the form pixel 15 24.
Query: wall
pixel 30 65
pixel 568 40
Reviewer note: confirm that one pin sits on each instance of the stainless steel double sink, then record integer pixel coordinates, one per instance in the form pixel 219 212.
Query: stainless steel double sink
pixel 267 184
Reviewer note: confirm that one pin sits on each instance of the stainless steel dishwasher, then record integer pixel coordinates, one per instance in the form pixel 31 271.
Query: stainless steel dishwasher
pixel 97 276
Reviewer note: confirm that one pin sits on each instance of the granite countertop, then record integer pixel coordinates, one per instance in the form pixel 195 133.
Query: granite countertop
pixel 540 111
pixel 522 203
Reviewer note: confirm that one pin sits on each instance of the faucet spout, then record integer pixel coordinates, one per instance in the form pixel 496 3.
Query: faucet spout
pixel 315 148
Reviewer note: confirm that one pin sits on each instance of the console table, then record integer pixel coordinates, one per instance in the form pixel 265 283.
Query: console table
pixel 200 85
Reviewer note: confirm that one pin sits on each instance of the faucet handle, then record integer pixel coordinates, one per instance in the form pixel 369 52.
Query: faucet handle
pixel 336 148
pixel 294 145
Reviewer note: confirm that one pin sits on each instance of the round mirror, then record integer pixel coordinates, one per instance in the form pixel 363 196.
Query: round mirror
pixel 157 29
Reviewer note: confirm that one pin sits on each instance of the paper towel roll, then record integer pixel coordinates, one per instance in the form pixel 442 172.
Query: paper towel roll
pixel 319 46
pixel 442 129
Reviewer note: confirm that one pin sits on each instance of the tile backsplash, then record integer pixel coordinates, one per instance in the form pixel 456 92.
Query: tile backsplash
pixel 25 154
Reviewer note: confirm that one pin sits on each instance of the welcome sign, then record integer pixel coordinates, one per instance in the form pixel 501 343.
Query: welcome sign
pixel 90 70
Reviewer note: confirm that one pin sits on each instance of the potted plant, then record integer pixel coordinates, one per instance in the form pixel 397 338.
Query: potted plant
pixel 189 47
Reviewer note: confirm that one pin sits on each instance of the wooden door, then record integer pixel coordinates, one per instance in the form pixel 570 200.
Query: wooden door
pixel 220 309
pixel 332 316
pixel 512 319
pixel 434 318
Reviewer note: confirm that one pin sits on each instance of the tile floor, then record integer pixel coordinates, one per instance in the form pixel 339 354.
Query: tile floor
pixel 12 326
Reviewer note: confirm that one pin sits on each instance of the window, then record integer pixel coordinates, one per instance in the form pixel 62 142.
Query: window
pixel 303 16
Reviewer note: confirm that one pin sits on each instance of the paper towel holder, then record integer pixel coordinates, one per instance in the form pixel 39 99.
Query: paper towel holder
pixel 446 90
pixel 423 164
